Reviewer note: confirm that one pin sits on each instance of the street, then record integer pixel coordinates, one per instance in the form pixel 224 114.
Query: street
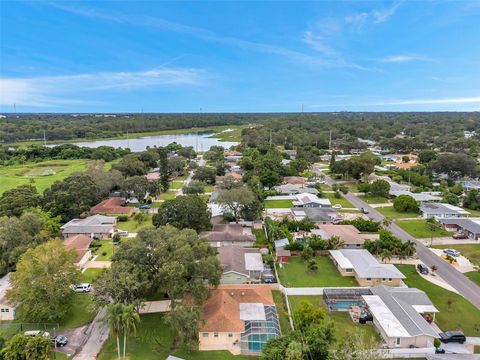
pixel 456 279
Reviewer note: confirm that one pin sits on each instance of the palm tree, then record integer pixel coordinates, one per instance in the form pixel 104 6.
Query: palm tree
pixel 432 225
pixel 410 247
pixel 130 319
pixel 114 319
pixel 386 255
pixel 402 255
pixel 386 222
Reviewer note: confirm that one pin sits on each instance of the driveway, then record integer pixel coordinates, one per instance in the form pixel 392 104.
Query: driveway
pixel 463 264
pixel 97 335
pixel 75 340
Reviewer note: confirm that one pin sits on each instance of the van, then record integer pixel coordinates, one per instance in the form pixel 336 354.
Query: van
pixel 82 288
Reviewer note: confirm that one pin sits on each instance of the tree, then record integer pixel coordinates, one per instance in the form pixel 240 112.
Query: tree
pixel 194 187
pixel 130 320
pixel 434 268
pixel 41 284
pixel 205 174
pixel 15 201
pixel 472 200
pixel 455 165
pixel 233 201
pixel 425 156
pixel 451 198
pixel 307 314
pixel 72 196
pixel 176 166
pixel 307 253
pixel 405 158
pixel 164 170
pixel 114 320
pixel 183 212
pixel 386 222
pixel 21 347
pixel 386 255
pixel 185 320
pixel 432 225
pixel 405 203
pixel 354 346
pixel 138 186
pixel 312 265
pixel 380 188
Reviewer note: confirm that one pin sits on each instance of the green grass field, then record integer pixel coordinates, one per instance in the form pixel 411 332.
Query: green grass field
pixel 295 274
pixel 132 226
pixel 474 276
pixel 175 185
pixel 418 229
pixel 342 201
pixel 90 275
pixel 260 236
pixel 392 213
pixel 154 341
pixel 471 251
pixel 343 323
pixel 166 196
pixel 13 176
pixel 370 199
pixel 234 133
pixel 460 315
pixel 282 311
pixel 80 313
pixel 272 204
pixel 105 252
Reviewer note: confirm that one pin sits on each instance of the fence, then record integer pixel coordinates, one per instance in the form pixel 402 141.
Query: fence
pixel 9 329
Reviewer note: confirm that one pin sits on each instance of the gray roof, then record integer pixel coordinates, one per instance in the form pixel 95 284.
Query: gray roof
pixel 470 224
pixel 421 197
pixel 281 243
pixel 401 302
pixel 232 258
pixel 453 357
pixel 294 189
pixel 97 224
pixel 366 266
pixel 440 208
pixel 316 214
pixel 229 232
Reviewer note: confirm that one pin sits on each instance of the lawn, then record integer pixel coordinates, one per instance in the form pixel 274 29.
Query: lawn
pixel 282 311
pixel 295 274
pixel 154 341
pixel 175 185
pixel 471 251
pixel 208 188
pixel 234 133
pixel 260 236
pixel 370 199
pixel 394 214
pixel 460 315
pixel 80 313
pixel 90 275
pixel 474 276
pixel 15 175
pixel 132 226
pixel 272 204
pixel 105 251
pixel 166 196
pixel 343 322
pixel 418 229
pixel 342 201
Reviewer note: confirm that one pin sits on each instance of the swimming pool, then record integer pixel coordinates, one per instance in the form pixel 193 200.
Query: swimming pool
pixel 343 305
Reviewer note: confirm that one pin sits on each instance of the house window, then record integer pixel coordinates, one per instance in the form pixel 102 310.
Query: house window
pixel 390 279
pixel 215 334
pixel 348 270
pixel 205 335
pixel 230 335
pixel 383 279
pixel 369 279
pixel 398 341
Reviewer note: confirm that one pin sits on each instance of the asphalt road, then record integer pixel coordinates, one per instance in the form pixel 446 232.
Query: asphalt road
pixel 447 272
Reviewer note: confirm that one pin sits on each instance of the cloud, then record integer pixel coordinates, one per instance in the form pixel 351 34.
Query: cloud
pixel 404 102
pixel 317 43
pixel 380 16
pixel 44 91
pixel 398 59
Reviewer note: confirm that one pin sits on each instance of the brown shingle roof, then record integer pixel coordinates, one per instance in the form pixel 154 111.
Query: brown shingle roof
pixel 294 180
pixel 348 233
pixel 79 243
pixel 228 232
pixel 111 206
pixel 232 258
pixel 221 312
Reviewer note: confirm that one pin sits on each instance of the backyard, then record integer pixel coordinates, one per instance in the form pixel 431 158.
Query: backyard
pixel 295 274
pixel 80 313
pixel 105 251
pixel 282 311
pixel 260 236
pixel 154 340
pixel 419 229
pixel 455 312
pixel 133 226
pixel 394 214
pixel 275 204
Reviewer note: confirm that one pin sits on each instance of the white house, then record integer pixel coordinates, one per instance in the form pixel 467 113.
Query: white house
pixel 7 310
pixel 441 211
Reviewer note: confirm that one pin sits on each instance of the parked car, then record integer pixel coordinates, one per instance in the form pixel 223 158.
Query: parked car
pixel 36 333
pixel 336 221
pixel 60 340
pixel 451 252
pixel 144 207
pixel 122 232
pixel 452 336
pixel 364 211
pixel 364 319
pixel 422 269
pixel 337 206
pixel 82 288
pixel 460 235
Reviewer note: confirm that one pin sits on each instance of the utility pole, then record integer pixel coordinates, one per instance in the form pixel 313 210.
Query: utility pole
pixel 270 137
pixel 44 138
pixel 302 108
pixel 330 141
pixel 128 141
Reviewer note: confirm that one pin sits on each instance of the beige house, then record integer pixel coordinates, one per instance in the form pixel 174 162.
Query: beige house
pixel 350 235
pixel 229 234
pixel 399 314
pixel 233 314
pixel 81 245
pixel 360 264
pixel 7 310
pixel 96 226
pixel 240 265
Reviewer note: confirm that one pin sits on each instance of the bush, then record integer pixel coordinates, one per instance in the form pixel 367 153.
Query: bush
pixel 122 218
pixel 405 203
pixel 337 195
pixel 436 343
pixel 104 253
pixel 344 189
pixel 294 246
pixel 307 253
pixel 335 187
pixel 363 225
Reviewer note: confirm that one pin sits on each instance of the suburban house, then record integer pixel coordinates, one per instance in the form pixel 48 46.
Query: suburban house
pixel 365 268
pixel 290 189
pixel 7 310
pixel 350 235
pixel 419 197
pixel 281 254
pixel 468 226
pixel 229 176
pixel 441 211
pixel 112 206
pixel 305 200
pixel 471 184
pixel 96 226
pixel 398 314
pixel 240 265
pixel 239 318
pixel 319 215
pixel 153 176
pixel 395 187
pixel 295 180
pixel 81 245
pixel 229 234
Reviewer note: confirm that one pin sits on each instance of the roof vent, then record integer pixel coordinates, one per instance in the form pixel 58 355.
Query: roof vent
pixel 232 293
pixel 243 293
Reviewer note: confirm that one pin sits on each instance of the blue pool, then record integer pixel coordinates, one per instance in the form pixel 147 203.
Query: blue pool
pixel 344 305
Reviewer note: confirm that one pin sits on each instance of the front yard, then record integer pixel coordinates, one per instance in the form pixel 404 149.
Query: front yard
pixel 341 201
pixel 455 312
pixel 277 204
pixel 394 214
pixel 418 229
pixel 154 340
pixel 105 251
pixel 370 199
pixel 80 313
pixel 470 251
pixel 295 274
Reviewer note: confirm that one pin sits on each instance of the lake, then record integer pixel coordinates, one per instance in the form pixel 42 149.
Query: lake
pixel 200 142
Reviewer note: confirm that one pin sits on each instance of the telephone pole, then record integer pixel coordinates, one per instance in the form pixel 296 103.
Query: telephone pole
pixel 330 141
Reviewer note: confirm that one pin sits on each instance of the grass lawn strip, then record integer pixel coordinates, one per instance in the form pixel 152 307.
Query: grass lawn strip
pixel 470 251
pixel 90 275
pixel 295 274
pixel 370 199
pixel 175 185
pixel 104 252
pixel 273 204
pixel 341 201
pixel 419 229
pixel 154 341
pixel 459 315
pixel 474 276
pixel 260 236
pixel 282 311
pixel 390 212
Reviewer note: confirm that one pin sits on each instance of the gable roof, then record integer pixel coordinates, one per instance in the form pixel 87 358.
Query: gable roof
pixel 298 180
pixel 99 224
pixel 228 232
pixel 442 208
pixel 294 189
pixel 80 243
pixel 316 214
pixel 221 312
pixel 348 233
pixel 470 224
pixel 233 258
pixel 306 198
pixel 112 206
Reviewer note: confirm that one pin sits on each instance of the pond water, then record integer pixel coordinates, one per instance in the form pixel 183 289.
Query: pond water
pixel 200 142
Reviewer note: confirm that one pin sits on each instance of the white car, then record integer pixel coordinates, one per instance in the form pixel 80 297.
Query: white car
pixel 82 288
pixel 36 333
pixel 337 206
pixel 452 252
pixel 122 232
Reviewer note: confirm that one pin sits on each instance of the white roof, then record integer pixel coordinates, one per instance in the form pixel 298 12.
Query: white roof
pixel 305 198
pixel 417 196
pixel 421 309
pixel 386 319
pixel 252 311
pixel 341 260
pixel 4 286
pixel 253 261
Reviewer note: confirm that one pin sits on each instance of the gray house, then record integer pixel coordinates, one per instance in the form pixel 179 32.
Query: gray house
pixel 240 265
pixel 441 211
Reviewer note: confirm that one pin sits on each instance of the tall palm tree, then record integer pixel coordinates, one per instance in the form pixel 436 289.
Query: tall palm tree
pixel 386 255
pixel 114 319
pixel 402 255
pixel 410 247
pixel 130 319
pixel 386 222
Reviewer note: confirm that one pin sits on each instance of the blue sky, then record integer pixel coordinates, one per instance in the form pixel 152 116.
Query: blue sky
pixel 116 56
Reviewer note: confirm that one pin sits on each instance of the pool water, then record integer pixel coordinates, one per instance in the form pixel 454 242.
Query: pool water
pixel 344 305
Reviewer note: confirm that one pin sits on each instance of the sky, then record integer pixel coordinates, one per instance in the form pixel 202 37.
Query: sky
pixel 239 56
